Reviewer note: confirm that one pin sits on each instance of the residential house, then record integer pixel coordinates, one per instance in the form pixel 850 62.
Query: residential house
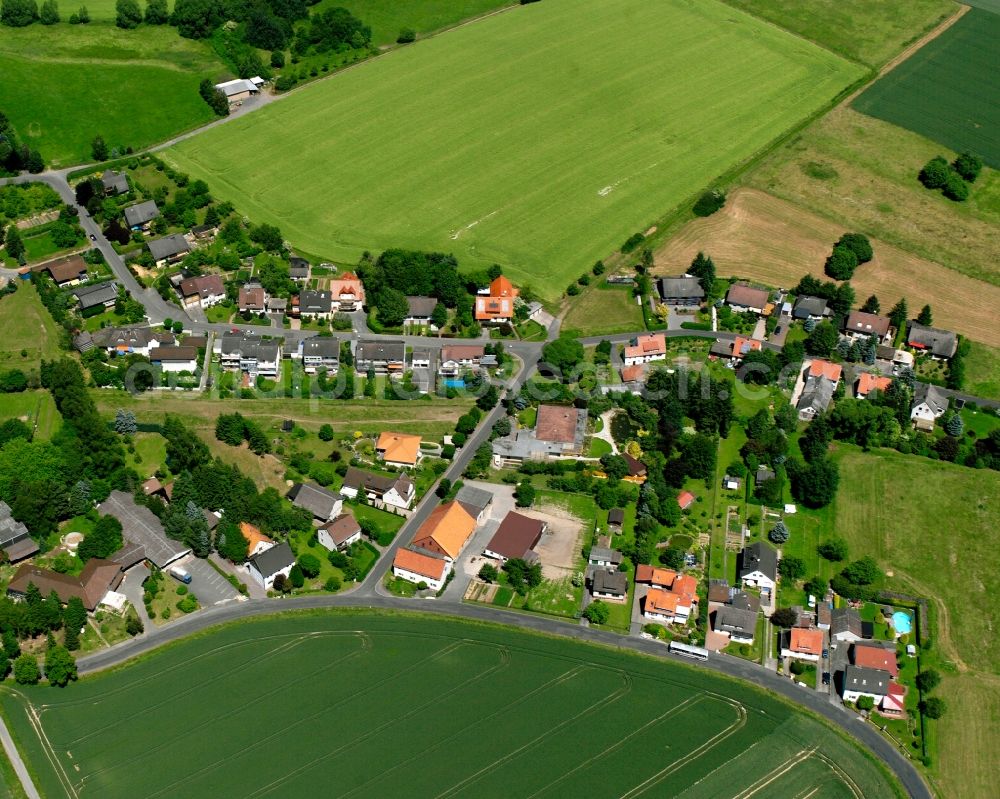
pixel 807 307
pixel 929 404
pixel 680 290
pixel 141 215
pixel 141 526
pixel 252 298
pixel 421 567
pixel 616 518
pixel 396 491
pixel 421 357
pixel 644 349
pixel 322 503
pixel 845 625
pixel 686 499
pixel 15 540
pixel 759 567
pixel 238 90
pixel 636 469
pixel 731 483
pixel 737 349
pixel 824 614
pixel 202 292
pixel 257 542
pixel 498 306
pixel 802 643
pixel 939 344
pixel 320 352
pixel 265 566
pixel 340 532
pixel 347 293
pixel 398 449
pixel 868 382
pixel 250 353
pixel 476 501
pixel 175 359
pixel 98 577
pixel 383 357
pixel 859 681
pixel 821 380
pixel 204 233
pixel 96 295
pixel 634 376
pixel 169 249
pixel 609 585
pixel 446 531
pixel 876 656
pixel 114 183
pixel 516 537
pixel 738 624
pixel 743 298
pixel 314 304
pixel 672 597
pixel 456 357
pixel 298 268
pixel 420 309
pixel 604 557
pixel 861 326
pixel 67 271
pixel 154 488
pixel 277 305
pixel 894 702
pixel 562 425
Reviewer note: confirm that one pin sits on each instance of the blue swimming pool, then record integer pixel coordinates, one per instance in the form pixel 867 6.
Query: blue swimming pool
pixel 901 622
pixel 459 383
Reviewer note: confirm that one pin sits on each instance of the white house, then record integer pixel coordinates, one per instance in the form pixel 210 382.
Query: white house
pixel 845 625
pixel 860 681
pixel 802 643
pixel 397 491
pixel 651 347
pixel 421 567
pixel 175 359
pixel 929 404
pixel 267 565
pixel 320 352
pixel 739 624
pixel 339 533
pixel 759 568
pixel 323 504
pixel 610 585
pixel 203 291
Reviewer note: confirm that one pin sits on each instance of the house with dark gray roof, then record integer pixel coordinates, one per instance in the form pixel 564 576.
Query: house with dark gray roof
pixel 929 404
pixel 381 356
pixel 420 308
pixel 265 566
pixel 141 526
pixel 114 183
pixel 610 585
pixel 168 249
pixel 318 304
pixel 14 537
pixel 96 294
pixel 320 352
pixel 298 268
pixel 759 567
pixel 939 344
pixel 817 394
pixel 807 307
pixel 322 503
pixel 680 290
pixel 739 624
pixel 845 624
pixel 250 353
pixel 138 216
pixel 860 681
pixel 396 491
pixel 475 500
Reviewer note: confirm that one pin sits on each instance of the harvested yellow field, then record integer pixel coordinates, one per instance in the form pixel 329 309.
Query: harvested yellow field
pixel 760 237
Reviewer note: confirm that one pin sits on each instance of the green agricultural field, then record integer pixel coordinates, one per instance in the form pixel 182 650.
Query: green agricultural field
pixel 64 84
pixel 613 113
pixel 949 91
pixel 982 371
pixel 358 705
pixel 868 32
pixel 931 524
pixel 388 17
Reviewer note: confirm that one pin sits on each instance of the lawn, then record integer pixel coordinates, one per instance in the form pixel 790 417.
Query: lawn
pixel 444 682
pixel 948 91
pixel 64 84
pixel 858 29
pixel 29 333
pixel 34 408
pixel 38 247
pixel 613 113
pixel 931 524
pixel 603 311
pixel 982 371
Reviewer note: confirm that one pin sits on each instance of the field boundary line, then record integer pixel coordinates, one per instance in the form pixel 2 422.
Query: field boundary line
pixel 782 768
pixel 50 753
pixel 685 705
pixel 614 697
pixel 846 778
pixel 239 709
pixel 694 754
pixel 303 720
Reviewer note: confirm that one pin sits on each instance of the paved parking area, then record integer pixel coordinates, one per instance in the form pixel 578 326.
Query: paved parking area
pixel 207 584
pixel 471 560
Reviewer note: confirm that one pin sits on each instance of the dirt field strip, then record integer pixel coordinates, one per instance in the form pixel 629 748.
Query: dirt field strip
pixel 760 237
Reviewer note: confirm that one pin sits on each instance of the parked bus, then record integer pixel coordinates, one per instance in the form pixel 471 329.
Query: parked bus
pixel 694 652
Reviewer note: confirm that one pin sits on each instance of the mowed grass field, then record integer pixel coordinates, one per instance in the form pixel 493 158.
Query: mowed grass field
pixel 861 173
pixel 611 114
pixel 603 310
pixel 64 84
pixel 871 33
pixel 949 90
pixel 27 328
pixel 360 705
pixel 932 524
pixel 760 237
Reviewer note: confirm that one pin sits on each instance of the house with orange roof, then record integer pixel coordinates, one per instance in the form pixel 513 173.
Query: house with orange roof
pixel 674 596
pixel 803 643
pixel 867 383
pixel 497 306
pixel 446 531
pixel 873 656
pixel 660 606
pixel 633 374
pixel 644 349
pixel 421 567
pixel 398 449
pixel 685 499
pixel 257 542
pixel 347 293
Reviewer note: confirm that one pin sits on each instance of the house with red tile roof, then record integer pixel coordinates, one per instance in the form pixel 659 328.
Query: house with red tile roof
pixel 421 567
pixel 498 305
pixel 651 347
pixel 685 499
pixel 347 292
pixel 672 598
pixel 867 383
pixel 875 657
pixel 803 643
